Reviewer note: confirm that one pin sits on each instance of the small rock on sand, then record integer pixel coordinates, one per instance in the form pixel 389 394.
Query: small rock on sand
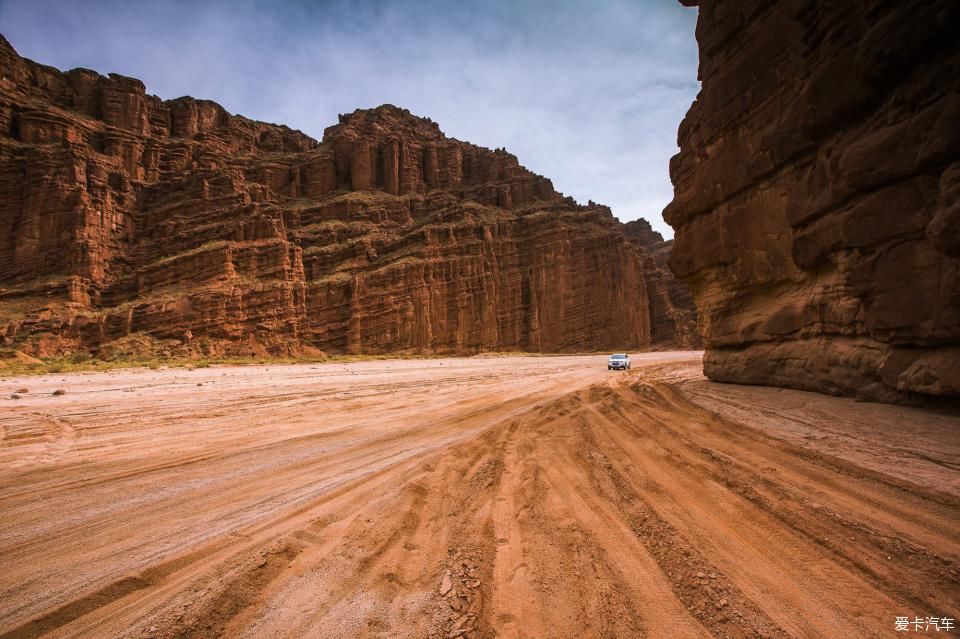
pixel 15 396
pixel 23 391
pixel 59 391
pixel 445 585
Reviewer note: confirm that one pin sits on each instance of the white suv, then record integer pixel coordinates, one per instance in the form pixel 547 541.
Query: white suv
pixel 619 361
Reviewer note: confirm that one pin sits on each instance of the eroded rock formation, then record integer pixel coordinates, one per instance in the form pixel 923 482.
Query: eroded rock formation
pixel 817 206
pixel 129 221
pixel 673 317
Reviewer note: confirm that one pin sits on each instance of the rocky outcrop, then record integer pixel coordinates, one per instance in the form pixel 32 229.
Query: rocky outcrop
pixel 673 317
pixel 817 200
pixel 133 224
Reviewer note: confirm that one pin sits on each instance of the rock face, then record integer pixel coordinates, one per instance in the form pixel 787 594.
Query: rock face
pixel 673 317
pixel 817 196
pixel 132 224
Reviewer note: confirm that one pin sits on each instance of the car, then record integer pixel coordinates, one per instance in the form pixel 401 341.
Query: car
pixel 618 361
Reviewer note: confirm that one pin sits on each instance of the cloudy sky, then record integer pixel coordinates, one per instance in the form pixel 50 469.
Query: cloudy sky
pixel 588 93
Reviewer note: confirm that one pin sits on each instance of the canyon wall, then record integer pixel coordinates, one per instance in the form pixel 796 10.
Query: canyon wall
pixel 673 316
pixel 136 225
pixel 817 196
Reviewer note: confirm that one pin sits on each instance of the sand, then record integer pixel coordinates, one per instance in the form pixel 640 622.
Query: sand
pixel 477 497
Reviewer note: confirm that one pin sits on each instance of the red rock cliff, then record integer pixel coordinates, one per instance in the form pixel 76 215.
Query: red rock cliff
pixel 181 224
pixel 673 317
pixel 817 206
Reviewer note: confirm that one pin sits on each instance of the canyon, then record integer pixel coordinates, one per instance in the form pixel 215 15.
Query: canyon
pixel 495 495
pixel 136 226
pixel 816 203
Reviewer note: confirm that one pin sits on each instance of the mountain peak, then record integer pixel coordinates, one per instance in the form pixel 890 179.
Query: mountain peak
pixel 382 122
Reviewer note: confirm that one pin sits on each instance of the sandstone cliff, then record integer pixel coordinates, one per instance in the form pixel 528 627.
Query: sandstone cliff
pixel 673 317
pixel 133 223
pixel 817 206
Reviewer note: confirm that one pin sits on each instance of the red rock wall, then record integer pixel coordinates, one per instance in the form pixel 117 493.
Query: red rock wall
pixel 129 221
pixel 816 211
pixel 673 316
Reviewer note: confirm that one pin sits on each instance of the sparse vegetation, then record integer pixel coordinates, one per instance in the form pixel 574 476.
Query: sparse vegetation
pixel 76 363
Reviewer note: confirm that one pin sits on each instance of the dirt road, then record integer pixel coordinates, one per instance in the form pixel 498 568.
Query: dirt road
pixel 485 497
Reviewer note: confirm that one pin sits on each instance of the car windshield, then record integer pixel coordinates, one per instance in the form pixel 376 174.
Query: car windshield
pixel 618 357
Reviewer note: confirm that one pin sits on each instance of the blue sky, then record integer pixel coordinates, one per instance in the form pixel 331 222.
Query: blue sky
pixel 589 94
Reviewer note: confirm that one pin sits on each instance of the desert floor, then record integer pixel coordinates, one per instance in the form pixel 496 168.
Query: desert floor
pixel 478 497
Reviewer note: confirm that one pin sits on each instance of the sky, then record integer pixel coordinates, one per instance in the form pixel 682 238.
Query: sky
pixel 587 93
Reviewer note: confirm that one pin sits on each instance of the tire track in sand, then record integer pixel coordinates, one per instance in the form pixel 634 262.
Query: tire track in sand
pixel 622 509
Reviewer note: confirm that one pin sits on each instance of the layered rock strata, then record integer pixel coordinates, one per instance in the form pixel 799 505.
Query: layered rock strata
pixel 132 224
pixel 673 316
pixel 817 196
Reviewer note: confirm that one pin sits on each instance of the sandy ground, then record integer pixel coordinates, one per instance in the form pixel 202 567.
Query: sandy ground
pixel 484 497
